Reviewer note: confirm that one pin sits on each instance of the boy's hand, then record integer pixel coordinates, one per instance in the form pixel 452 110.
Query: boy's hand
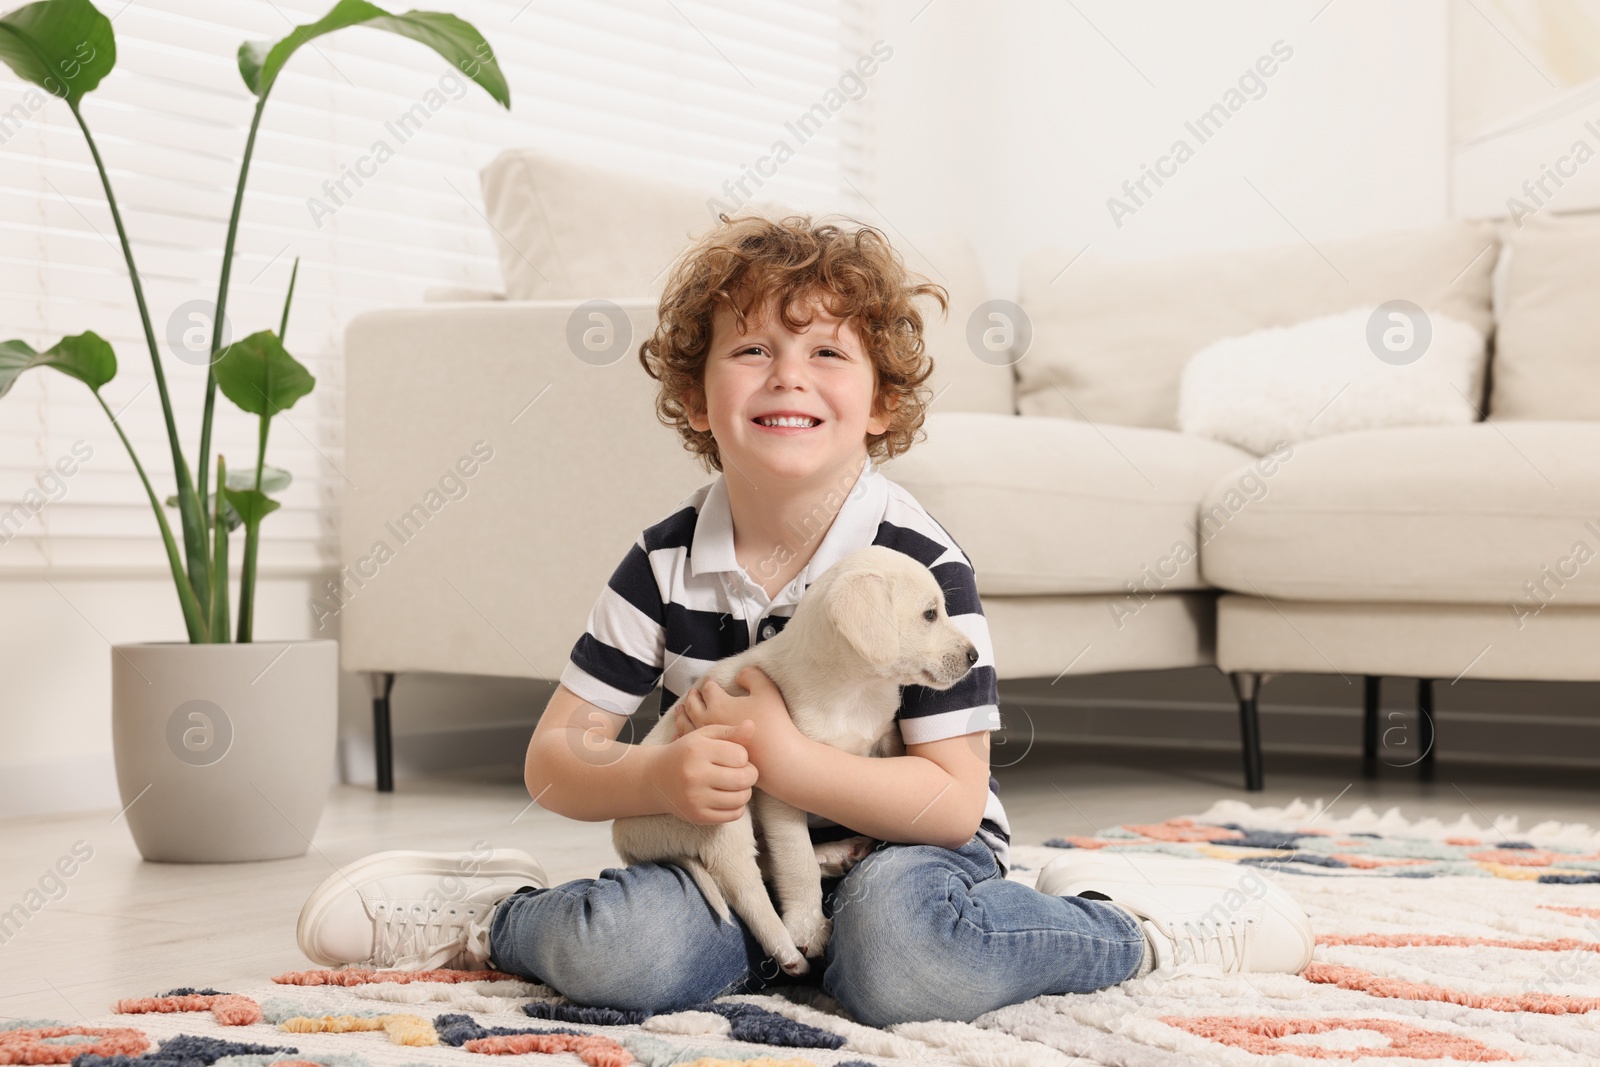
pixel 710 704
pixel 706 774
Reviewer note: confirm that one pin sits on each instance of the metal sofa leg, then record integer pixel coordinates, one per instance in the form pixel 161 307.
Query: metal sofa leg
pixel 382 683
pixel 1247 686
pixel 1369 726
pixel 1426 734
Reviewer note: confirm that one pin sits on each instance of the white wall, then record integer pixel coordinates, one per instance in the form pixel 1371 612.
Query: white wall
pixel 1525 108
pixel 1016 122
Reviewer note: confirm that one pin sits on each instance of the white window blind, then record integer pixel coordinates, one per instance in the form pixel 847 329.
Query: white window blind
pixel 688 90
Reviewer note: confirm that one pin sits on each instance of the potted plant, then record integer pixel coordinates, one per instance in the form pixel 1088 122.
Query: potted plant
pixel 223 744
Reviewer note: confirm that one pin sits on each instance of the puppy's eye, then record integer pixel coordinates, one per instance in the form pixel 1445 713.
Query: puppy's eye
pixel 931 614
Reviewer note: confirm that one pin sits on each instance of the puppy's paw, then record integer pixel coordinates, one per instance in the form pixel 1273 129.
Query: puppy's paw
pixel 793 963
pixel 810 931
pixel 835 858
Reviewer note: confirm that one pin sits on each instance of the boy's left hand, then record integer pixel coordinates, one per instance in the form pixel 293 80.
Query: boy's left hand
pixel 709 703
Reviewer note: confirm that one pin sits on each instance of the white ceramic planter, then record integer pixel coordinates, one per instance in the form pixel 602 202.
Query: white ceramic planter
pixel 224 752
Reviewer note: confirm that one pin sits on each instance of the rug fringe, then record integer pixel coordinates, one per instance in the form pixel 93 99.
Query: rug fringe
pixel 1300 815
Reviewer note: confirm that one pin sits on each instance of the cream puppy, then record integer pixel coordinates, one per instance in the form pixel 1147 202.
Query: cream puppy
pixel 873 622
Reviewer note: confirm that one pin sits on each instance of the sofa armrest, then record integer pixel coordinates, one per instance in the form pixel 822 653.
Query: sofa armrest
pixel 493 480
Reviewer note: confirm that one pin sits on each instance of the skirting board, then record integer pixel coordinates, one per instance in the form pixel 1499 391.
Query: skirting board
pixel 89 782
pixel 1464 736
pixel 79 783
pixel 76 783
pixel 420 754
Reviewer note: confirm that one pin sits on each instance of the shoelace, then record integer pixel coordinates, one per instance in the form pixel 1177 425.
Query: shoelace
pixel 1223 944
pixel 417 939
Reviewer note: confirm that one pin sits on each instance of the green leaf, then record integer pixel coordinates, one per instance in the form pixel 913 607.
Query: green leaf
pixel 273 479
pixel 63 46
pixel 251 505
pixel 260 376
pixel 86 356
pixel 456 40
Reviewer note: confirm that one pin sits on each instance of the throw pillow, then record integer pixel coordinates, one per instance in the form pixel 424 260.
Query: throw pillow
pixel 1357 370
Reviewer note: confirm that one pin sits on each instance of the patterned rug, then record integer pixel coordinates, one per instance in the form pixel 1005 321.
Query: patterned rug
pixel 1456 943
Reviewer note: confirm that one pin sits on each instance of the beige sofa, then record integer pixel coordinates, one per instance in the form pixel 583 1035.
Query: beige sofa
pixel 1058 468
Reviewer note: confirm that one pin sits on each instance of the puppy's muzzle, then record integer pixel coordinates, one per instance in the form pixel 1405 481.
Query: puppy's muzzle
pixel 954 666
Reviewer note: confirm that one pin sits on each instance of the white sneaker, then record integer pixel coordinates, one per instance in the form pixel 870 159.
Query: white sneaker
pixel 1195 912
pixel 413 911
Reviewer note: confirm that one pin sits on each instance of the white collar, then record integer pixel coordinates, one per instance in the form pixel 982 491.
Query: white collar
pixel 854 527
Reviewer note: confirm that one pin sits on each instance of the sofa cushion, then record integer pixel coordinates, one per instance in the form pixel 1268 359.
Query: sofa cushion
pixel 1333 374
pixel 1491 513
pixel 961 380
pixel 1547 353
pixel 1046 506
pixel 1110 339
pixel 571 230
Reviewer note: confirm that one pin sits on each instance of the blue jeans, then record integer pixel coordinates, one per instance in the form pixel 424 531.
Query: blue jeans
pixel 919 932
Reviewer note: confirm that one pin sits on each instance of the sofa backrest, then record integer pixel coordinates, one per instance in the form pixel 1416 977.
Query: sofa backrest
pixel 569 230
pixel 1110 339
pixel 1547 345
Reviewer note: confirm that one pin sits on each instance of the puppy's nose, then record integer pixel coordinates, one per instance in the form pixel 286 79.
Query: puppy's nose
pixel 972 656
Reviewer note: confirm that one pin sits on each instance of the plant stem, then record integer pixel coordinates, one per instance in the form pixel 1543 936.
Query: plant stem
pixel 252 541
pixel 219 584
pixel 189 508
pixel 247 591
pixel 222 292
pixel 190 603
pixel 252 532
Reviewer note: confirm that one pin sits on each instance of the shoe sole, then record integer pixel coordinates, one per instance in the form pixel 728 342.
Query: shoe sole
pixel 502 862
pixel 1071 874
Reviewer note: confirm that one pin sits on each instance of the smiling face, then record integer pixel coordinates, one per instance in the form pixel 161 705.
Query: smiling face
pixel 792 405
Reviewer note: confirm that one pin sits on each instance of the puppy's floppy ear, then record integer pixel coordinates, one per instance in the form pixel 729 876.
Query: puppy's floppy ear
pixel 861 609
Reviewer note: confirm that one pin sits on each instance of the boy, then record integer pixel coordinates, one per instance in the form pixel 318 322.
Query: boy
pixel 789 357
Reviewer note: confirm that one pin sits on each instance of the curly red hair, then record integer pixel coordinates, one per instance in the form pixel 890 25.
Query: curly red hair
pixel 750 261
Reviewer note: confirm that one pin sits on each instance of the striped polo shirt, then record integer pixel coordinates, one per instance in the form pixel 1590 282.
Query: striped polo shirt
pixel 679 601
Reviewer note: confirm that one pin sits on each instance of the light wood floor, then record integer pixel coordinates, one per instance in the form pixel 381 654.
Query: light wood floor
pixel 129 928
